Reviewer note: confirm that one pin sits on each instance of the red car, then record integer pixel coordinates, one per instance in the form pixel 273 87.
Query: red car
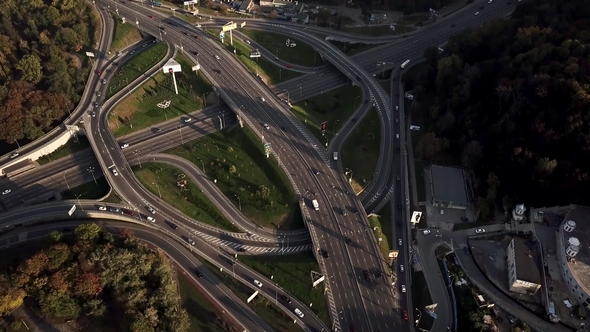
pixel 99 72
pixel 196 36
pixel 405 312
pixel 152 17
pixel 288 66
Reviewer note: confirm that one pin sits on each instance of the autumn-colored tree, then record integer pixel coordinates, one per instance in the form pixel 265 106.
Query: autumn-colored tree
pixel 59 281
pixel 34 265
pixel 87 285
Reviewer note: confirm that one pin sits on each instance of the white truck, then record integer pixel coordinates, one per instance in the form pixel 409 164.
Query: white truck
pixel 315 204
pixel 335 155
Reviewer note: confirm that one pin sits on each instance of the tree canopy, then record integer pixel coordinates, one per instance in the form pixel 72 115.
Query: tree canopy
pixel 512 99
pixel 94 272
pixel 41 80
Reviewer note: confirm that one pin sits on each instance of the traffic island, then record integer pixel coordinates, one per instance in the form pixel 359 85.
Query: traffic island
pixel 360 152
pixel 125 34
pixel 285 48
pixel 170 184
pixel 265 70
pixel 156 100
pixel 235 161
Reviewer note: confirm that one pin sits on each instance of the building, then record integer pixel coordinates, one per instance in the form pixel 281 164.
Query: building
pixel 524 276
pixel 300 18
pixel 449 187
pixel 573 254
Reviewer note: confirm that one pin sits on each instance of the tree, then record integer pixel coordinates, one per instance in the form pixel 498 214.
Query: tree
pixel 95 307
pixel 87 232
pixel 30 66
pixel 54 237
pixel 430 145
pixel 58 304
pixel 87 285
pixel 34 265
pixel 140 324
pixel 472 154
pixel 232 169
pixel 263 192
pixel 273 15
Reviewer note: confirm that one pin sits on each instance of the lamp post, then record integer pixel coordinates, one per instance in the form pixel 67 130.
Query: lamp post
pixel 180 132
pixel 334 127
pixel 202 163
pixel 91 170
pixel 136 153
pixel 158 187
pixel 419 316
pixel 300 93
pixel 280 73
pixel 66 180
pixel 287 92
pixel 78 198
pixel 239 202
pixel 354 103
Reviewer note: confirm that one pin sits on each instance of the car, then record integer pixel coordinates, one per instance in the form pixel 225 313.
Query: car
pixel 157 130
pixel 480 230
pixel 399 242
pixel 13 155
pixel 325 253
pixel 7 191
pixel 241 249
pixel 152 219
pixel 453 25
pixel 355 210
pixel 187 120
pixel 298 312
pixel 405 313
pixel 152 17
pixel 442 212
pixel 397 150
pixel 217 57
pixel 414 42
pixel 196 37
pixel 266 126
pixel 490 1
pixel 465 219
pixel 398 177
pixel 396 136
pixel 104 81
pixel 191 241
pixel 248 42
pixel 476 13
pixel 401 268
pixel 320 74
pixel 426 232
pixel 128 212
pixel 348 240
pixel 366 275
pixel 262 99
pixel 403 288
pixel 396 120
pixel 353 120
pixel 199 274
pixel 283 129
pixel 257 283
pixel 378 274
pixel 95 104
pixel 399 223
pixel 316 172
pixel 399 206
pixel 173 225
pixel 102 208
pixel 288 66
pixel 344 214
pixel 150 209
pixel 124 145
pixel 99 72
pixel 98 93
pixel 185 33
pixel 114 209
pixel 93 114
pixel 115 173
pixel 285 299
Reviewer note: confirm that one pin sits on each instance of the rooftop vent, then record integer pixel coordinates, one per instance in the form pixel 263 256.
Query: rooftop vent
pixel 573 247
pixel 569 226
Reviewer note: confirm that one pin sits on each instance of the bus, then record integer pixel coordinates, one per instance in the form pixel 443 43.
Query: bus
pixel 405 64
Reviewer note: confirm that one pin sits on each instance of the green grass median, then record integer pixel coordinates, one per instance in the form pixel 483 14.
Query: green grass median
pixel 267 71
pixel 235 160
pixel 302 54
pixel 379 232
pixel 140 110
pixel 360 152
pixel 162 180
pixel 79 143
pixel 292 273
pixel 125 34
pixel 88 190
pixel 137 66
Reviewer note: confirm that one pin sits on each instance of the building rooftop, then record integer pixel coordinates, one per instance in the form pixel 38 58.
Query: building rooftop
pixel 527 268
pixel 580 264
pixel 448 185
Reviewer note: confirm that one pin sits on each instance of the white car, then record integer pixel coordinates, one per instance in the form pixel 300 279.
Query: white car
pixel 396 136
pixel 397 108
pixel 490 1
pixel 426 232
pixel 123 146
pixel 187 120
pixel 7 191
pixel 115 173
pixel 442 211
pixel 401 268
pixel 151 219
pixel 298 312
pixel 93 114
pixel 151 209
pixel 248 42
pixel 14 155
pixel 217 57
pixel 399 242
pixel 191 242
pixel 104 81
pixel 480 230
pixel 257 283
pixel 102 208
pixel 266 126
pixel 262 99
pixel 476 13
pixel 403 288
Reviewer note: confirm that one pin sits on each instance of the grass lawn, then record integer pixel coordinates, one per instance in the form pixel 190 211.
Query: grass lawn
pixel 267 71
pixel 125 34
pixel 113 198
pixel 72 146
pixel 137 66
pixel 203 315
pixel 292 273
pixel 363 144
pixel 421 298
pixel 161 180
pixel 351 49
pixel 386 221
pixel 235 159
pixel 379 232
pixel 302 54
pixel 140 110
pixel 379 30
pixel 264 308
pixel 88 190
pixel 331 106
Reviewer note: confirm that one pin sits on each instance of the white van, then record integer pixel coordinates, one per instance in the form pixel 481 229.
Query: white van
pixel 335 155
pixel 316 205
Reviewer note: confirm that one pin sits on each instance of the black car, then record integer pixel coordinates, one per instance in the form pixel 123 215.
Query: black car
pixel 353 120
pixel 283 129
pixel 241 249
pixel 325 253
pixel 355 210
pixel 397 150
pixel 348 240
pixel 173 225
pixel 399 206
pixel 316 172
pixel 285 299
pixel 366 275
pixel 199 274
pixel 378 274
pixel 399 223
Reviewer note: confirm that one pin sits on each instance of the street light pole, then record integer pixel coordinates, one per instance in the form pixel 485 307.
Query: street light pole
pixel 300 93
pixel 202 164
pixel 136 152
pixel 91 170
pixel 159 193
pixel 180 131
pixel 334 127
pixel 78 198
pixel 66 180
pixel 239 202
pixel 287 92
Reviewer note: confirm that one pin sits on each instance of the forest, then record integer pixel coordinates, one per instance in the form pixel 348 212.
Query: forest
pixel 43 66
pixel 511 102
pixel 91 273
pixel 405 6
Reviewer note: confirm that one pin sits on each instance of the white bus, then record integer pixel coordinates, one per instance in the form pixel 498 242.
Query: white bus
pixel 405 64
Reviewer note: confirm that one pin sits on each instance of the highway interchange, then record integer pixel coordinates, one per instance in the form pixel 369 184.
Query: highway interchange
pixel 359 305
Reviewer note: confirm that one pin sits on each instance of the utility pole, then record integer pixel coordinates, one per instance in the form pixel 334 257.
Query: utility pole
pixel 66 180
pixel 136 152
pixel 78 198
pixel 91 170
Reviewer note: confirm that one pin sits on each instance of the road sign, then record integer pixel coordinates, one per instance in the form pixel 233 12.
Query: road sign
pixel 243 24
pixel 229 26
